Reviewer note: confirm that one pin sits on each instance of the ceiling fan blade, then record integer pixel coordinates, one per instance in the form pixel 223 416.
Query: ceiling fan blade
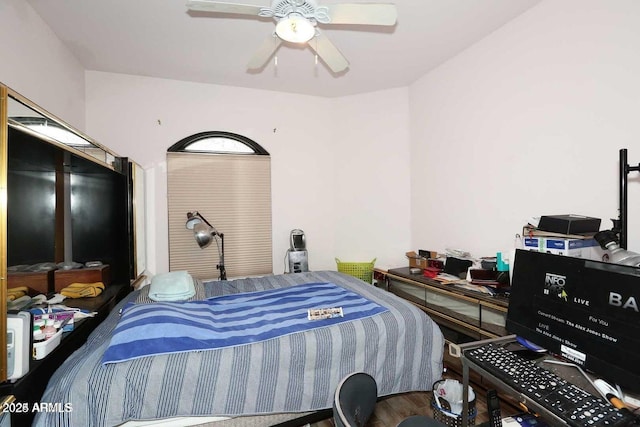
pixel 264 52
pixel 222 7
pixel 363 13
pixel 329 54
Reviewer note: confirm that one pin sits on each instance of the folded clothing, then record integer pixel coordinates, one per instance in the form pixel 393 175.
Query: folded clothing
pixel 172 286
pixel 15 293
pixel 81 290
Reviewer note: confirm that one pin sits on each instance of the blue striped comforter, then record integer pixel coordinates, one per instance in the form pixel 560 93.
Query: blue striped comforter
pixel 232 320
pixel 401 348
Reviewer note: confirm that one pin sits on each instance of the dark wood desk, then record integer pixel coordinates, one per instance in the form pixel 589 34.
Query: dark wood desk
pixel 463 314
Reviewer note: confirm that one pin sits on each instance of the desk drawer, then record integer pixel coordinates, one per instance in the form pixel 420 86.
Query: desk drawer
pixel 464 310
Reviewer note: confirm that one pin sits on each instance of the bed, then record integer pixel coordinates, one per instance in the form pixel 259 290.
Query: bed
pixel 257 383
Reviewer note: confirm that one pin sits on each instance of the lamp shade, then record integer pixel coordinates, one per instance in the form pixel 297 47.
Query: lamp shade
pixel 295 28
pixel 193 218
pixel 203 234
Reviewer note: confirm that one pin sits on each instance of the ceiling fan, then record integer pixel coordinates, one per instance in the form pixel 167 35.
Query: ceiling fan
pixel 296 22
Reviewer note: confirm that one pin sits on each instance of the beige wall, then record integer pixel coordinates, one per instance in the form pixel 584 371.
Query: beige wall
pixel 528 122
pixel 339 166
pixel 335 163
pixel 38 66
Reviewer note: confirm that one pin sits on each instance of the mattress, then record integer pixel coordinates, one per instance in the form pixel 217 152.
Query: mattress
pixel 401 348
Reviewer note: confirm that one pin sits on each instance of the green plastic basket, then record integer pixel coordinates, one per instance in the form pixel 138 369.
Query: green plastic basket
pixel 361 270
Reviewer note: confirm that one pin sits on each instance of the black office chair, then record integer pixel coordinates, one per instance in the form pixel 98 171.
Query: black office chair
pixel 354 400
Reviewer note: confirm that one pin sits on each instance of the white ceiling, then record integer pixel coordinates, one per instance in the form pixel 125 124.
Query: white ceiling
pixel 160 38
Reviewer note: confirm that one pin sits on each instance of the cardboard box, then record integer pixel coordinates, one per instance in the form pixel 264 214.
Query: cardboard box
pixel 531 231
pixel 416 261
pixel 578 248
pixel 569 224
pixel 63 278
pixel 533 243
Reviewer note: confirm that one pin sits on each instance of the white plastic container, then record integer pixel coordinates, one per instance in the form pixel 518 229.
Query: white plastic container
pixel 49 330
pixel 42 349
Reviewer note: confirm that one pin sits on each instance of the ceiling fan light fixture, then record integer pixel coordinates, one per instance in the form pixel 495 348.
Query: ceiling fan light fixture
pixel 295 29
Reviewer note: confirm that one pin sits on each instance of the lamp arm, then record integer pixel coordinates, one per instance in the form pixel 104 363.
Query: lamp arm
pixel 620 226
pixel 205 220
pixel 223 271
pixel 213 232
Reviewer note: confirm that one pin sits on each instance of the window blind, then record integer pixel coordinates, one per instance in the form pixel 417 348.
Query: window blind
pixel 233 192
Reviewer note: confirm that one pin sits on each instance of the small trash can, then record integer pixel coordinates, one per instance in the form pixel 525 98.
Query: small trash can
pixel 361 270
pixel 447 403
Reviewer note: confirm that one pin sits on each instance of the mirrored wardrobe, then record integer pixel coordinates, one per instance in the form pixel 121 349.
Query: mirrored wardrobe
pixel 70 210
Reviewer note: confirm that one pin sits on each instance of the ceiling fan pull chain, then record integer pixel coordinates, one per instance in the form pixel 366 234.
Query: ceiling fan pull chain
pixel 275 57
pixel 315 68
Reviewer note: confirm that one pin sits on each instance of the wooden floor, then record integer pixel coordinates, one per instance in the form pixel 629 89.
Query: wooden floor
pixel 390 411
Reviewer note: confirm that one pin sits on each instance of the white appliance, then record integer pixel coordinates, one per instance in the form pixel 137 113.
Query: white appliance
pixel 18 344
pixel 297 253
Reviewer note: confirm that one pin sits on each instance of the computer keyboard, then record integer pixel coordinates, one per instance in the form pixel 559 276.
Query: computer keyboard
pixel 570 403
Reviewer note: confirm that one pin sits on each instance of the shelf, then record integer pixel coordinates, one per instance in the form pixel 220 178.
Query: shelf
pixel 474 315
pixel 479 297
pixel 31 386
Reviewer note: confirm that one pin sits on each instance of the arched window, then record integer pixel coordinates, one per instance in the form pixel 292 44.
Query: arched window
pixel 226 178
pixel 218 142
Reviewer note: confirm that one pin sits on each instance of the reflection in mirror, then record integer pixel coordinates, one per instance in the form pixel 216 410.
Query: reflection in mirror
pixel 52 129
pixel 21 115
pixel 139 220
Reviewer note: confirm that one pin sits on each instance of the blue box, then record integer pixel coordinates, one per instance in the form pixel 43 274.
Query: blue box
pixel 579 248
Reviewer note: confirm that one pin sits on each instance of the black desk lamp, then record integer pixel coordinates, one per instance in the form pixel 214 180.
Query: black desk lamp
pixel 204 233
